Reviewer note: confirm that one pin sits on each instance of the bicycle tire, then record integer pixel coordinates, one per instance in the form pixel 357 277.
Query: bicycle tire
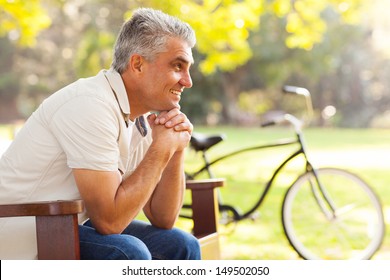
pixel 356 233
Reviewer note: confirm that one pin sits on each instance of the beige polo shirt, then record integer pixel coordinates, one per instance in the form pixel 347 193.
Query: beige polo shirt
pixel 84 125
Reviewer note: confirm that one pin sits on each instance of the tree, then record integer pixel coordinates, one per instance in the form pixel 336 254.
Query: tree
pixel 22 20
pixel 304 27
pixel 80 40
pixel 344 70
pixel 224 28
pixel 78 43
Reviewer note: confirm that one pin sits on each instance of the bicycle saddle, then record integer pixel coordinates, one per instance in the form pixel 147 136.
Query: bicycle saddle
pixel 201 142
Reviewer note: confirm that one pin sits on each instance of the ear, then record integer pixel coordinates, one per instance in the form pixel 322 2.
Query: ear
pixel 136 63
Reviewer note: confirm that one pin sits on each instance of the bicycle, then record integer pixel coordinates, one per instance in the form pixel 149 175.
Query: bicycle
pixel 327 213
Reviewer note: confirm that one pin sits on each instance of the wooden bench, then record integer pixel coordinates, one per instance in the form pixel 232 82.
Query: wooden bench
pixel 205 215
pixel 57 223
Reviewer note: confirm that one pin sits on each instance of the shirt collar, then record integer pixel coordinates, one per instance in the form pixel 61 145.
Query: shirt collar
pixel 118 87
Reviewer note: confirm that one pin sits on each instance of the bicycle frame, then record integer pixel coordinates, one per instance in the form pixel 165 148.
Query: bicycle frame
pixel 280 143
pixel 207 165
pixel 328 208
pixel 309 181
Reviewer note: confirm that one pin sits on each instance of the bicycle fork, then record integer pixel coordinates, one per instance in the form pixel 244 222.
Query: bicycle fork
pixel 322 197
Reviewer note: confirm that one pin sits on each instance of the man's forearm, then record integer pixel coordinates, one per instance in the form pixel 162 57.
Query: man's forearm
pixel 112 204
pixel 166 201
pixel 140 186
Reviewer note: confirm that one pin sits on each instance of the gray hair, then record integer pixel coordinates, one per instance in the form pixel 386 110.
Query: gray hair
pixel 146 34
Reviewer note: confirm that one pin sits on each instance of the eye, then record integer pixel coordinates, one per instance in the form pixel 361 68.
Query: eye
pixel 178 66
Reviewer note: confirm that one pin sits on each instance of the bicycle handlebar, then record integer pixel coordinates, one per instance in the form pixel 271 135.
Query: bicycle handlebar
pixel 296 90
pixel 294 121
pixel 290 118
pixel 305 93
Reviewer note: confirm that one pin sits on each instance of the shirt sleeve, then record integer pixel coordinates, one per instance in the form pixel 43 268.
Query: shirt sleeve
pixel 87 129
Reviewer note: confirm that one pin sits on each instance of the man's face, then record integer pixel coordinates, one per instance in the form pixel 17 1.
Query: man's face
pixel 167 76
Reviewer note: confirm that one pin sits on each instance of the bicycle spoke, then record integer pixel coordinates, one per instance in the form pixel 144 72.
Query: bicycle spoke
pixel 345 209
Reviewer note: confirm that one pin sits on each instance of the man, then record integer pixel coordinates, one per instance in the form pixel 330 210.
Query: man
pixel 90 140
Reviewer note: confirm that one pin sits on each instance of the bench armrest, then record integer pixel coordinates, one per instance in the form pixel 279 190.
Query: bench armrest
pixel 56 226
pixel 204 205
pixel 42 208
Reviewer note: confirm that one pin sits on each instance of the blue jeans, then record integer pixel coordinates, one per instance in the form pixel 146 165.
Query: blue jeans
pixel 139 241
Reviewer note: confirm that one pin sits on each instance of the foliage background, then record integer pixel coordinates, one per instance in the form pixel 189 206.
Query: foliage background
pixel 247 49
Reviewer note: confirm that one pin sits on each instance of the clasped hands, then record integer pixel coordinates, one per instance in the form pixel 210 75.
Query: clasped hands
pixel 171 128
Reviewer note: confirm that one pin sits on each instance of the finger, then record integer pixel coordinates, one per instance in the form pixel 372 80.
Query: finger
pixel 185 126
pixel 166 116
pixel 151 119
pixel 178 119
pixel 160 117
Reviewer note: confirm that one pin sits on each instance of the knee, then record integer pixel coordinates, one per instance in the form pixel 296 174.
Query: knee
pixel 114 247
pixel 131 248
pixel 188 245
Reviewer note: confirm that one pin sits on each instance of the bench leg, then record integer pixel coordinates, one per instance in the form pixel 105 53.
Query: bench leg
pixel 58 237
pixel 205 217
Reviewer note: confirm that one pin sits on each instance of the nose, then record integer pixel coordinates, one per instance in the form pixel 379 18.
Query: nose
pixel 186 80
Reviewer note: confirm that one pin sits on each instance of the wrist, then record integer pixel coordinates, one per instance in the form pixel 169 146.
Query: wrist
pixel 164 152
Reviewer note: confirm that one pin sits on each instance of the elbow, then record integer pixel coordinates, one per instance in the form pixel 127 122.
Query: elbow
pixel 107 228
pixel 108 231
pixel 163 226
pixel 164 223
pixel 161 219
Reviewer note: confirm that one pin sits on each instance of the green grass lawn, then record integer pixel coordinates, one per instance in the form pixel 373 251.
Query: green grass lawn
pixel 364 152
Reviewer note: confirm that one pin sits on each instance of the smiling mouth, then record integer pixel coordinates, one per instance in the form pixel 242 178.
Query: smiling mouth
pixel 176 92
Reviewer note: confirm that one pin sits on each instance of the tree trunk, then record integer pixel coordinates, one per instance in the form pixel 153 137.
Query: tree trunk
pixel 231 85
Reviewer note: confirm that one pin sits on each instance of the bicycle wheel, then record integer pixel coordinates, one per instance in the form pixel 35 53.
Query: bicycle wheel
pixel 355 232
